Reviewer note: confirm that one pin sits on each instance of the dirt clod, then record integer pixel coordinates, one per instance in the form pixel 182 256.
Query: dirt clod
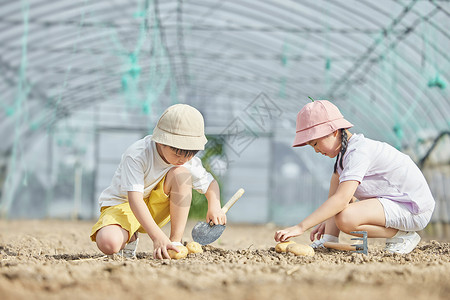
pixel 56 260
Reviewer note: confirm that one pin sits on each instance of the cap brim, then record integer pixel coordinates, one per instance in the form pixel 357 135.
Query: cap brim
pixel 179 141
pixel 304 136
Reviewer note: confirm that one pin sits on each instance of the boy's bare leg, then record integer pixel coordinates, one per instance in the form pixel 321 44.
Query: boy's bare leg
pixel 111 239
pixel 366 215
pixel 178 186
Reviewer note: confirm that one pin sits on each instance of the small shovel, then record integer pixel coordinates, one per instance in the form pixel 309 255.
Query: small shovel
pixel 206 233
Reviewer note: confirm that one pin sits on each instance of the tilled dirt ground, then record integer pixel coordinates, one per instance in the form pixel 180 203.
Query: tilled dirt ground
pixel 55 259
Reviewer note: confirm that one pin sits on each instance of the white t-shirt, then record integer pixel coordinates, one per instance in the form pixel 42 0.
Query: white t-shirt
pixel 142 168
pixel 385 172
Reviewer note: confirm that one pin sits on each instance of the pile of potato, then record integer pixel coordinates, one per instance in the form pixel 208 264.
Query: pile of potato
pixel 283 247
pixel 293 247
pixel 191 247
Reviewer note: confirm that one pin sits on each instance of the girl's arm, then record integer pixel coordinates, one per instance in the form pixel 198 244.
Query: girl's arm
pixel 215 213
pixel 334 204
pixel 334 183
pixel 161 243
pixel 325 226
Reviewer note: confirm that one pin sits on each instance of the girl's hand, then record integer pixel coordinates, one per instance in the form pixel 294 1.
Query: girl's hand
pixel 161 246
pixel 285 234
pixel 319 230
pixel 216 215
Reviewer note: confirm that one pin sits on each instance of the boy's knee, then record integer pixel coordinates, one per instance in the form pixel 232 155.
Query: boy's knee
pixel 108 245
pixel 178 186
pixel 178 177
pixel 108 242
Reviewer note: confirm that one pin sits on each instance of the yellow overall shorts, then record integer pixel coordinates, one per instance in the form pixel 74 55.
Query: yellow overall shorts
pixel 121 214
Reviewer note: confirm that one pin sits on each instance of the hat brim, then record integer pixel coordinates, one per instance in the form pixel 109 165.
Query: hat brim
pixel 179 141
pixel 318 131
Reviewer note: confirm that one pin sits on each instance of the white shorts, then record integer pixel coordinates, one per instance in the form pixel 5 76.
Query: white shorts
pixel 399 217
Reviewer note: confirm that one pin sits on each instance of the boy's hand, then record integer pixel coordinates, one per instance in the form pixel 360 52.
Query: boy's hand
pixel 287 233
pixel 161 246
pixel 216 215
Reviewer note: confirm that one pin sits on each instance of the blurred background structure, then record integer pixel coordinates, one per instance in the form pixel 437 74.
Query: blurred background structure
pixel 82 80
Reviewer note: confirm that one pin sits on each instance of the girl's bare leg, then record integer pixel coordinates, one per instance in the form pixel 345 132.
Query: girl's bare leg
pixel 331 227
pixel 366 215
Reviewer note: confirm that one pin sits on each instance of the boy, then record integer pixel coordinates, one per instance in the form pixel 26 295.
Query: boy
pixel 153 185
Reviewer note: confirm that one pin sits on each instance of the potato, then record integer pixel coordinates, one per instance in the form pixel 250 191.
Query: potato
pixel 300 249
pixel 177 255
pixel 194 247
pixel 281 247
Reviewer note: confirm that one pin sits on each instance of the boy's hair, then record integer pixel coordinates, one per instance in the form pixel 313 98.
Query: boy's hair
pixel 186 153
pixel 344 144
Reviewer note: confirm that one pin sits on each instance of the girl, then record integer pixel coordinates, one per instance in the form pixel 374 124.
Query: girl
pixel 374 187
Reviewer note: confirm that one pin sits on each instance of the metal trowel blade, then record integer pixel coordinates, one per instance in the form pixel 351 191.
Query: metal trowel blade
pixel 205 234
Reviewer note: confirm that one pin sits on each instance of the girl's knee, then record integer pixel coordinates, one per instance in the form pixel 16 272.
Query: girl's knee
pixel 346 221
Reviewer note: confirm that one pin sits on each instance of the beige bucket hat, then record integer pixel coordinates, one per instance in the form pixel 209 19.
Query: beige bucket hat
pixel 181 126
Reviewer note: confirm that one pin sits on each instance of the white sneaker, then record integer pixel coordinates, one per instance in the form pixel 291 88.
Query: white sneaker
pixel 129 251
pixel 325 238
pixel 402 242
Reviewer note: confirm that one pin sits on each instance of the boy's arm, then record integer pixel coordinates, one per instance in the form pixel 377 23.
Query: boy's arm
pixel 161 243
pixel 215 213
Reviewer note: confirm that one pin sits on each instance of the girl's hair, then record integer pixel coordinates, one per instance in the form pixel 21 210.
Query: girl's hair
pixel 344 144
pixel 186 153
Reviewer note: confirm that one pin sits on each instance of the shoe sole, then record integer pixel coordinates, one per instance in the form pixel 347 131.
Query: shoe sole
pixel 411 246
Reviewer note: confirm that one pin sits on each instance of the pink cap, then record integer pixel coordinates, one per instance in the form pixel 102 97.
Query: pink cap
pixel 318 119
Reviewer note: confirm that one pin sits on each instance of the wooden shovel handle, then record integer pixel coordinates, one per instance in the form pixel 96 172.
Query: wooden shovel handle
pixel 233 200
pixel 339 246
pixel 230 203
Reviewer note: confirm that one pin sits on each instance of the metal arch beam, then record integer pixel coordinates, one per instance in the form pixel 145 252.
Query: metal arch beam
pixel 364 57
pixel 408 86
pixel 268 13
pixel 426 19
pixel 35 92
pixel 218 68
pixel 90 87
pixel 414 47
pixel 441 8
pixel 79 103
pixel 430 150
pixel 369 66
pixel 40 96
pixel 66 115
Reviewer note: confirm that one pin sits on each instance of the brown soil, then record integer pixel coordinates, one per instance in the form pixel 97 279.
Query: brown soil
pixel 56 260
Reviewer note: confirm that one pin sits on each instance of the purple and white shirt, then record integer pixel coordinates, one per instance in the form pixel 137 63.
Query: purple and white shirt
pixel 385 172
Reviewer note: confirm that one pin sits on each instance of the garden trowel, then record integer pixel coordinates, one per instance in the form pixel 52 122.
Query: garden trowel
pixel 206 233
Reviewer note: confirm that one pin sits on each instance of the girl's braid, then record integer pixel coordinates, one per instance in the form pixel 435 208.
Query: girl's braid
pixel 344 144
